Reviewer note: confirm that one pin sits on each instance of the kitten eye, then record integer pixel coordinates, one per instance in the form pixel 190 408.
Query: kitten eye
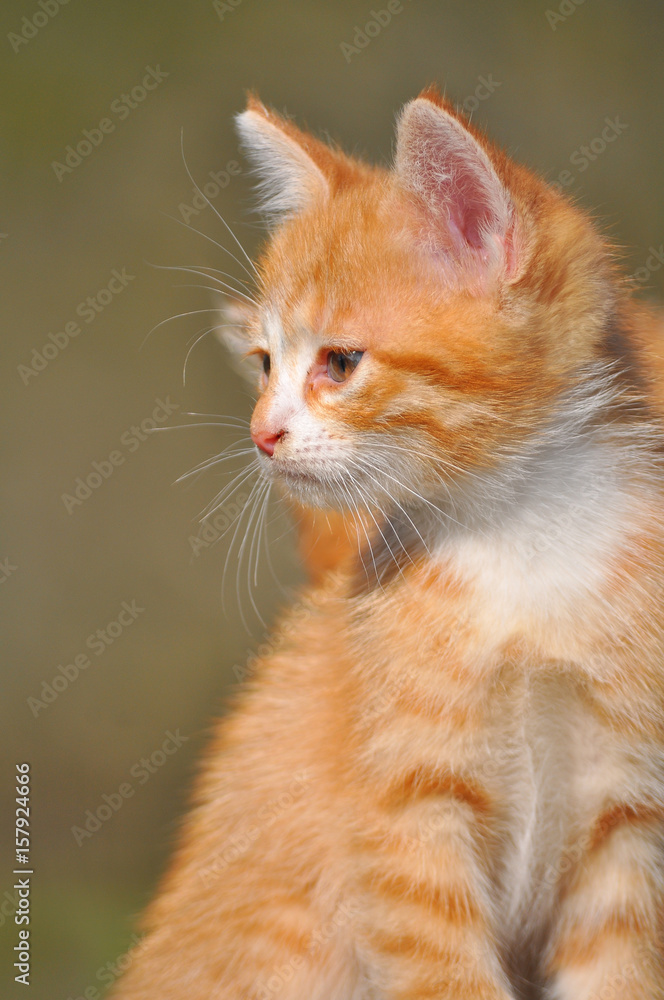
pixel 342 364
pixel 266 365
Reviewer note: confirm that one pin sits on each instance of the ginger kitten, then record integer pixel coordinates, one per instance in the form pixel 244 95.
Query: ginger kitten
pixel 446 781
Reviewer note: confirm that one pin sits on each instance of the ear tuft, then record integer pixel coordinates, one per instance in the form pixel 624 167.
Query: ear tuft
pixel 433 94
pixel 469 211
pixel 294 168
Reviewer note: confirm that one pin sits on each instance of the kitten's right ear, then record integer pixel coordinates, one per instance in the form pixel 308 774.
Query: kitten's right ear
pixel 294 168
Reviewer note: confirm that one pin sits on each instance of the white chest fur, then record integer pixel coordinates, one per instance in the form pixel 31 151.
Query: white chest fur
pixel 552 541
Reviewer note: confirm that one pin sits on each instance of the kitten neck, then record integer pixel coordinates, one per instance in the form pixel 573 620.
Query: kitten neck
pixel 582 466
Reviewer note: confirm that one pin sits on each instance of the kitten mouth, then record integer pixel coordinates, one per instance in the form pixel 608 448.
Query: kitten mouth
pixel 286 468
pixel 306 486
pixel 298 476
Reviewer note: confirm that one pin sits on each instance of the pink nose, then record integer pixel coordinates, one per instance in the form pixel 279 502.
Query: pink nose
pixel 266 440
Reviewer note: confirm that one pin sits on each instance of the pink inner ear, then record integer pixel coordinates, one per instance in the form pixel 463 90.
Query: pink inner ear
pixel 470 215
pixel 458 183
pixel 448 168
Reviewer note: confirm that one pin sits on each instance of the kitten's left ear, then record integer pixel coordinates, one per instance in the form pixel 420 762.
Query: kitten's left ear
pixel 294 168
pixel 469 212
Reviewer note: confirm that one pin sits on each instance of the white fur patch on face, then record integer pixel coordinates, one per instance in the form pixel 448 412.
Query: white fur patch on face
pixel 312 458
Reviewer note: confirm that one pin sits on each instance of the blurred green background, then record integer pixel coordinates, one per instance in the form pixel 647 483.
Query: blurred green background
pixel 542 80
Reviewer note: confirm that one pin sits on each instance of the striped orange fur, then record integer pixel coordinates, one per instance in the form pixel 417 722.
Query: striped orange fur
pixel 446 779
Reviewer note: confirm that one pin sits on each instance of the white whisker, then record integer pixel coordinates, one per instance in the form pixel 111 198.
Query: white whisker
pixel 368 501
pixel 223 221
pixel 183 427
pixel 199 337
pixel 219 457
pixel 169 319
pixel 263 502
pixel 365 469
pixel 354 510
pixel 237 481
pixel 251 506
pixel 216 243
pixel 223 289
pixel 222 416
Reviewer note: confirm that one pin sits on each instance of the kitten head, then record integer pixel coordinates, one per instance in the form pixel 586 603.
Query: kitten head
pixel 417 325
